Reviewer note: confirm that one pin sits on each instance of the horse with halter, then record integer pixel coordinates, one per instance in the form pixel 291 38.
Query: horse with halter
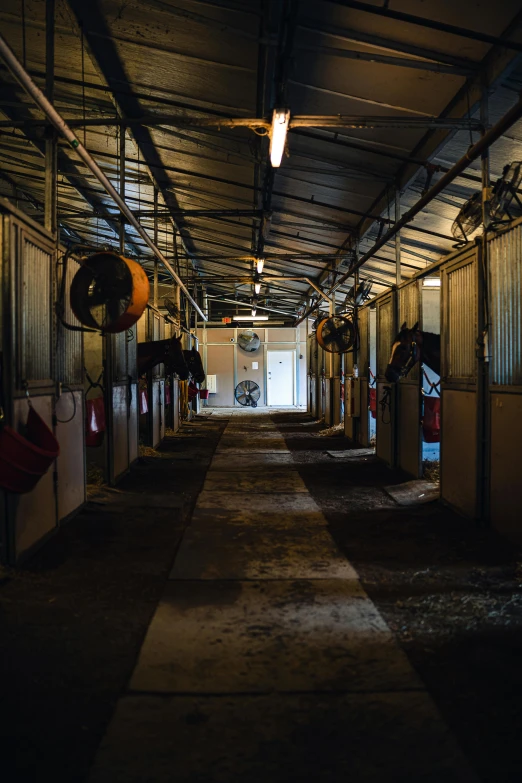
pixel 412 346
pixel 169 352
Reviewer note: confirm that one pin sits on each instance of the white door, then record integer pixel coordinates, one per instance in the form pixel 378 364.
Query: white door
pixel 281 378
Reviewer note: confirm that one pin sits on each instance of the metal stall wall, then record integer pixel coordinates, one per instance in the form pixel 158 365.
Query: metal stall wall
pixel 362 428
pixel 386 414
pixel 459 403
pixel 313 377
pixel 505 386
pixel 322 398
pixel 409 397
pixel 31 365
pixel 70 429
pixel 157 384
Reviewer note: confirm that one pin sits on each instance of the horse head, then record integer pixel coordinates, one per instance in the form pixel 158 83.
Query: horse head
pixel 405 353
pixel 195 365
pixel 175 361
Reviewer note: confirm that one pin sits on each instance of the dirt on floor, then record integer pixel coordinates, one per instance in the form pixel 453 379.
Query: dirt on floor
pixel 74 617
pixel 450 591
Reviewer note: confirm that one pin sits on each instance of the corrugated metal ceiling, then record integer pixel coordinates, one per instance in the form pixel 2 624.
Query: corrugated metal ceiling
pixel 210 58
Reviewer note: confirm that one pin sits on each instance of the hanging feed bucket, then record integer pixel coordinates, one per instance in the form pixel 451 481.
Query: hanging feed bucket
pixel 431 420
pixel 192 391
pixel 144 401
pixel 203 393
pixel 373 403
pixel 24 460
pixel 95 424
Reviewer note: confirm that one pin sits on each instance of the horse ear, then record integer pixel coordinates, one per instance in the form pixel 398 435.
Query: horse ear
pixel 415 327
pixel 403 327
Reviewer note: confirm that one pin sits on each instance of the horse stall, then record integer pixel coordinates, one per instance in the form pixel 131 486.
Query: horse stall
pixel 111 391
pixel 171 387
pixel 408 389
pixel 503 407
pixel 41 395
pixel 461 402
pixel 386 330
pixel 313 375
pixel 151 327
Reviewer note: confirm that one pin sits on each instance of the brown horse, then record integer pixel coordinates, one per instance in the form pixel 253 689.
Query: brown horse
pixel 412 346
pixel 167 352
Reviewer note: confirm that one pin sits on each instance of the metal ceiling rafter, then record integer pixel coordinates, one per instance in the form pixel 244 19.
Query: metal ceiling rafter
pixel 107 62
pixel 432 24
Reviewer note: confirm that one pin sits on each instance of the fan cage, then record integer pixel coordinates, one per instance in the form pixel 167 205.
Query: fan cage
pixel 247 393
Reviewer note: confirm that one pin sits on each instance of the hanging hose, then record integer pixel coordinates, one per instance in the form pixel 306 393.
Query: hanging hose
pixel 385 403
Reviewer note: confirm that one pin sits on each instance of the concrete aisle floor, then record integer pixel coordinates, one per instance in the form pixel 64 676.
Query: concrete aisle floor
pixel 266 660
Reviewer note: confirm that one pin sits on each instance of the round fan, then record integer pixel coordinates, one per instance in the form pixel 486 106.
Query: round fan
pixel 468 219
pixel 505 198
pixel 172 308
pixel 248 341
pixel 336 334
pixel 248 393
pixel 109 292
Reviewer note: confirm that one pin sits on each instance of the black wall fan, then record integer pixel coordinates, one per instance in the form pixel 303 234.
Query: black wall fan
pixel 248 341
pixel 468 219
pixel 505 200
pixel 336 334
pixel 247 393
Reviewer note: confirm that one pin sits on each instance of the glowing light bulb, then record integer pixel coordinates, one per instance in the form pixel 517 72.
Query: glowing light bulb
pixel 280 120
pixel 254 311
pixel 260 264
pixel 257 287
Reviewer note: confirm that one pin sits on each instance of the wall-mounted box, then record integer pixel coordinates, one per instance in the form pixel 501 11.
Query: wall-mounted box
pixel 212 384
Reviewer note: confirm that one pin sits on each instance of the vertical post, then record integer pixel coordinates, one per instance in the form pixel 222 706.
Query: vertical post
pixel 398 276
pixel 155 286
pixel 51 142
pixel 122 187
pixel 483 413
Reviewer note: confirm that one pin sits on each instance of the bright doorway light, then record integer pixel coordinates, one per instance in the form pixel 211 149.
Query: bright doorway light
pixel 431 282
pixel 249 317
pixel 280 120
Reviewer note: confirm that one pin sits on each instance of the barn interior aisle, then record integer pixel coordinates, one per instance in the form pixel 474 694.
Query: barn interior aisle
pixel 266 659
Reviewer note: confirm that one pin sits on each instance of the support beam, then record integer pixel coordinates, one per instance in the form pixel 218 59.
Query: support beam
pixel 54 118
pixel 51 142
pixel 398 275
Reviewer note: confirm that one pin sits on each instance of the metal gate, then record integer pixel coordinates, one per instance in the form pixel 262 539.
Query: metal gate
pixel 386 393
pixel 39 362
pixel 461 417
pixel 505 382
pixel 313 375
pixel 409 397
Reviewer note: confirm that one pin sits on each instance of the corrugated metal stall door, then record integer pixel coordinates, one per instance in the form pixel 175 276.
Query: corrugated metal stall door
pixel 312 375
pixel 27 258
pixel 459 404
pixel 408 427
pixel 386 332
pixel 505 389
pixel 157 386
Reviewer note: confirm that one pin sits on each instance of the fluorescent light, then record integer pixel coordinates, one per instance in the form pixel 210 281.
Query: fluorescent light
pixel 260 264
pixel 257 287
pixel 250 317
pixel 254 311
pixel 280 120
pixel 431 282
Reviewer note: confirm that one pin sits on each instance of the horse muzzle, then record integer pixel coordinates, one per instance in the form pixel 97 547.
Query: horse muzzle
pixel 392 375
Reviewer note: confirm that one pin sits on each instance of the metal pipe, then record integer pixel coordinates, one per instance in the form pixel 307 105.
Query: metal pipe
pixel 248 305
pixel 476 151
pixel 350 121
pixel 51 144
pixel 398 275
pixel 122 187
pixel 19 72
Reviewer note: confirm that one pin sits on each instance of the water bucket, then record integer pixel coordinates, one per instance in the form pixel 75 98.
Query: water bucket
pixel 203 393
pixel 24 460
pixel 192 391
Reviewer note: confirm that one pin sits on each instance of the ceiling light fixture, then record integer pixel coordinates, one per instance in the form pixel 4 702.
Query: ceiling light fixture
pixel 259 265
pixel 249 317
pixel 257 287
pixel 280 120
pixel 254 311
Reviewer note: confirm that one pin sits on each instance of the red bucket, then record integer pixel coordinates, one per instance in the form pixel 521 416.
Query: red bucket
pixel 431 420
pixel 23 461
pixel 192 391
pixel 373 403
pixel 203 393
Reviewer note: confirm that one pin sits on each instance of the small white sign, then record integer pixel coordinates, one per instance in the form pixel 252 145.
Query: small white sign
pixel 255 365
